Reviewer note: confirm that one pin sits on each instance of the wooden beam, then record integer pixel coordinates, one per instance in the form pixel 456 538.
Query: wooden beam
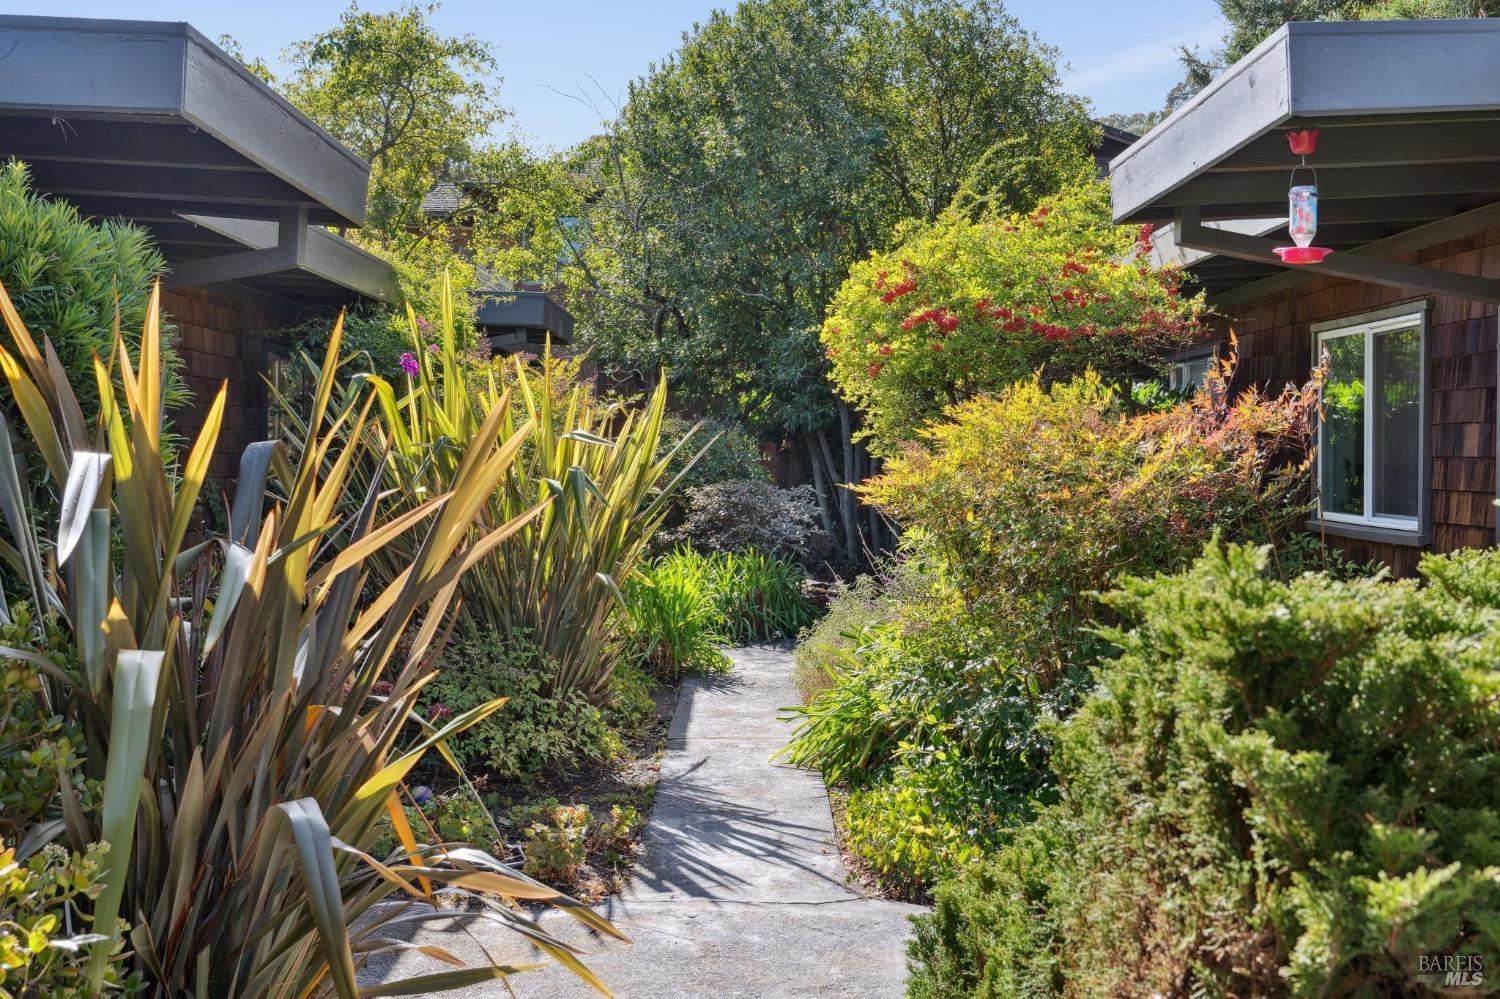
pixel 1410 241
pixel 158 183
pixel 1359 145
pixel 1190 232
pixel 1414 210
pixel 289 253
pixel 115 143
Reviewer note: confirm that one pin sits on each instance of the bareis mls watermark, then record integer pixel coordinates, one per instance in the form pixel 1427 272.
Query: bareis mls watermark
pixel 1451 970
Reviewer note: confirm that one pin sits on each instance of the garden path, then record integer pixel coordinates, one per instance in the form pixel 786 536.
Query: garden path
pixel 741 889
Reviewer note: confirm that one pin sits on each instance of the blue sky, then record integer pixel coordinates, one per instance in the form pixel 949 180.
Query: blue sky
pixel 559 58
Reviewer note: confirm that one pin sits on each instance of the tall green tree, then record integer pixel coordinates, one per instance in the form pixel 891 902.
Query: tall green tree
pixel 406 98
pixel 780 144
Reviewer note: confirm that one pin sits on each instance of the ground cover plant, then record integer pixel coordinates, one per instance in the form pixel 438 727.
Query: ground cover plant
pixel 541 727
pixel 1017 511
pixel 1279 788
pixel 235 677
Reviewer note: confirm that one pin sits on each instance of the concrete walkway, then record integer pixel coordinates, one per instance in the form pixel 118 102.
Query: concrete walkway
pixel 741 890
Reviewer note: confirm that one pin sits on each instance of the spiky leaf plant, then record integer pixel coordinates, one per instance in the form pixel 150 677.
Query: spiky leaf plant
pixel 597 469
pixel 227 688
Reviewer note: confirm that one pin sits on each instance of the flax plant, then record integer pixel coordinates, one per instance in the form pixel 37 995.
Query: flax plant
pixel 227 687
pixel 592 465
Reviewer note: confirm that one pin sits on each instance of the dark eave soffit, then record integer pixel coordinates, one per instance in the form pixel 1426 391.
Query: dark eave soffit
pixel 76 93
pixel 1408 154
pixel 1403 104
pixel 505 312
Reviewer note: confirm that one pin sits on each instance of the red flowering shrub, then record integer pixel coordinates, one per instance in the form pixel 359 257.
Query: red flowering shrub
pixel 963 308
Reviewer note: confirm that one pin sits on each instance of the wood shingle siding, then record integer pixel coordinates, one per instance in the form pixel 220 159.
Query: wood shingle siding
pixel 1276 348
pixel 223 338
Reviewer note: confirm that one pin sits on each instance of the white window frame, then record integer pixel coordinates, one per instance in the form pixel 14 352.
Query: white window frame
pixel 1369 330
pixel 1179 364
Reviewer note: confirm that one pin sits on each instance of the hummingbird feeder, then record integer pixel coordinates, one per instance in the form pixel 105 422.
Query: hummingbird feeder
pixel 1302 205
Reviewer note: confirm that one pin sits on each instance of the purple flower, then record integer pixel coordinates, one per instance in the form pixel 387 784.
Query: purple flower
pixel 423 324
pixel 433 348
pixel 409 363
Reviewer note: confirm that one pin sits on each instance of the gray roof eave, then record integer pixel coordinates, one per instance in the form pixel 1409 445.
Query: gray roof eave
pixel 1307 71
pixel 329 256
pixel 168 71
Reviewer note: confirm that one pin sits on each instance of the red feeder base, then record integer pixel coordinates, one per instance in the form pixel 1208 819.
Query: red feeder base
pixel 1302 254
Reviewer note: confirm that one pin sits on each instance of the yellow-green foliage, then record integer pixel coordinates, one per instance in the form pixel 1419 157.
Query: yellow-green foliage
pixel 541 727
pixel 556 838
pixel 235 679
pixel 593 468
pixel 45 903
pixel 1022 506
pixel 964 307
pixel 1035 497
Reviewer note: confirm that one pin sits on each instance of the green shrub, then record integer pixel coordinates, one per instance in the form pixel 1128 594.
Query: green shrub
pixel 1279 788
pixel 45 904
pixel 556 838
pixel 266 760
pixel 67 275
pixel 1024 505
pixel 540 727
pixel 1033 499
pixel 826 644
pixel 910 831
pixel 46 898
pixel 759 595
pixel 629 706
pixel 747 515
pixel 38 748
pixel 966 306
pixel 936 735
pixel 674 622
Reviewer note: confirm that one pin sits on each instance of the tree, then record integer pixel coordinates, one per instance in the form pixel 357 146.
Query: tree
pixel 961 96
pixel 405 98
pixel 780 144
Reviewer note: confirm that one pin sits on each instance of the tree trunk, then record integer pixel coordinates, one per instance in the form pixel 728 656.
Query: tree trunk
pixel 877 533
pixel 820 486
pixel 851 476
pixel 839 495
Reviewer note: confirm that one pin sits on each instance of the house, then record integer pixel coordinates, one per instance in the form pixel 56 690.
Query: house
pixel 1407 161
pixel 152 123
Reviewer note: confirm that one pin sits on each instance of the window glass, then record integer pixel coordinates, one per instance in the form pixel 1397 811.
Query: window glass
pixel 1341 434
pixel 1396 418
pixel 1189 374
